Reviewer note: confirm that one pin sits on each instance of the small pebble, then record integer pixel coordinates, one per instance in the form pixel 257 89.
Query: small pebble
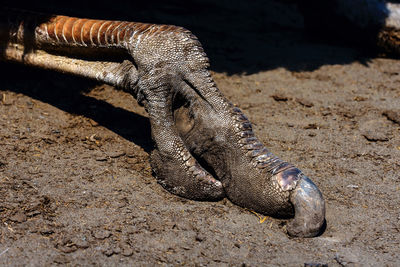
pixel 127 252
pixel 101 158
pixel 392 115
pixel 102 234
pixel 375 130
pixel 18 217
pixel 61 259
pixel 80 242
pixel 116 154
pixel 109 252
pixel 311 126
pixel 46 231
pixel 68 249
pixel 305 102
pixel 280 97
pixel 200 237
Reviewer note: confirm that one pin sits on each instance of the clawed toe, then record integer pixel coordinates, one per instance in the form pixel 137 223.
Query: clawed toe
pixel 191 182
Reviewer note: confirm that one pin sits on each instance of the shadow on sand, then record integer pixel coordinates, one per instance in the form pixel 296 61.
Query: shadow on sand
pixel 239 37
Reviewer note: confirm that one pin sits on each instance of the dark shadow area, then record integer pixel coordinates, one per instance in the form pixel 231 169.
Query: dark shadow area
pixel 65 93
pixel 238 36
pixel 242 36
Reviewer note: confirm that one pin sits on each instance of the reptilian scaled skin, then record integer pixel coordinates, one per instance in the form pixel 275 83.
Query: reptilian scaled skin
pixel 205 148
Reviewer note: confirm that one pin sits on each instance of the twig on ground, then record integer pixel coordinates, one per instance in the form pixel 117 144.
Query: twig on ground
pixel 261 218
pixel 4 251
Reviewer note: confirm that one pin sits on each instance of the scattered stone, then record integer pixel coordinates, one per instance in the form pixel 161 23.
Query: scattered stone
pixel 101 158
pixel 116 154
pixel 348 114
pixel 34 170
pixel 305 102
pixel 200 237
pixel 18 217
pixel 55 131
pixel 375 130
pixel 68 249
pixel 94 138
pixel 61 259
pixel 311 126
pixel 326 112
pixel 127 252
pixel 131 155
pixel 375 136
pixel 392 115
pixel 93 123
pixel 46 232
pixel 30 104
pixel 360 98
pixel 109 252
pixel 80 242
pixel 117 250
pixel 48 141
pixel 6 101
pixel 347 259
pixel 154 226
pixel 124 249
pixel 33 213
pixel 102 234
pixel 280 97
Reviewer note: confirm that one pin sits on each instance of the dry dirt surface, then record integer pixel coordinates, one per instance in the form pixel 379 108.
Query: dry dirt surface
pixel 76 187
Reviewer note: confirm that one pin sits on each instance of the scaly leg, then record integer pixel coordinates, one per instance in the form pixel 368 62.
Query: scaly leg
pixel 196 130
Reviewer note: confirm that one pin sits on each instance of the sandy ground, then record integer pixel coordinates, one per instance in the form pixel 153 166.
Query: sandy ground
pixel 76 187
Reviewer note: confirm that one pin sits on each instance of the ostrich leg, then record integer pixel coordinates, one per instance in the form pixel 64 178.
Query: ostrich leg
pixel 205 148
